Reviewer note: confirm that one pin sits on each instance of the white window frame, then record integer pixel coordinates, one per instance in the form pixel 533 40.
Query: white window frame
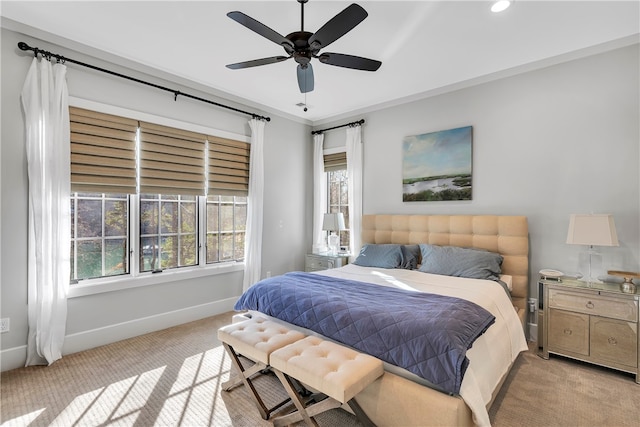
pixel 135 278
pixel 328 183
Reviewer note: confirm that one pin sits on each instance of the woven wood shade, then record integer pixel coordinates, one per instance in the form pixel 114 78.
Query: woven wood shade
pixel 103 152
pixel 335 161
pixel 172 161
pixel 228 166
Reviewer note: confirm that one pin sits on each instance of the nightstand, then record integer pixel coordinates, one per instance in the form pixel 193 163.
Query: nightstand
pixel 596 323
pixel 317 262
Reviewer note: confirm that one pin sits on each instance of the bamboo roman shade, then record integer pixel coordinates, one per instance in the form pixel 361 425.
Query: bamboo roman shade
pixel 103 152
pixel 172 161
pixel 335 161
pixel 228 166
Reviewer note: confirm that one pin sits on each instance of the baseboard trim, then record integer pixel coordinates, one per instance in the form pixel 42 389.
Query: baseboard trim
pixel 16 357
pixel 13 358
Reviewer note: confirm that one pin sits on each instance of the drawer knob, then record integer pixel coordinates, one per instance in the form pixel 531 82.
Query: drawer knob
pixel 612 341
pixel 590 305
pixel 568 331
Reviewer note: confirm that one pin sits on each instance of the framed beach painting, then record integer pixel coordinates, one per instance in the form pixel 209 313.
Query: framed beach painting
pixel 436 166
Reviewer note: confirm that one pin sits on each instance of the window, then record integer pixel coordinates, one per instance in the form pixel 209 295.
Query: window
pixel 99 235
pixel 226 226
pixel 338 196
pixel 145 183
pixel 168 231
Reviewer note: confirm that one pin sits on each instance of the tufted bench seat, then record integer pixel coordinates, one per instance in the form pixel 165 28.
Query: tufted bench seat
pixel 255 338
pixel 336 371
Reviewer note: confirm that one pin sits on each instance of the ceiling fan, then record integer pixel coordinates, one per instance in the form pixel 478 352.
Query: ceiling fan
pixel 303 45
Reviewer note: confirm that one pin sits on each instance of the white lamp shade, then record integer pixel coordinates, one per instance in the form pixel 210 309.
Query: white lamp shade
pixel 592 229
pixel 333 222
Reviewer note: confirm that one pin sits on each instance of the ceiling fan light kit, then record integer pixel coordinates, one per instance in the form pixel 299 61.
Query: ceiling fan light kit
pixel 302 45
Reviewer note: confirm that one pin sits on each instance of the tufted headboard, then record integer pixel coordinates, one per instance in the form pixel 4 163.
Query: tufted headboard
pixel 506 235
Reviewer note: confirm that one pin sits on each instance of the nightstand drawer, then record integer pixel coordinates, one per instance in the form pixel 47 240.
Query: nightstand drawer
pixel 617 308
pixel 568 331
pixel 318 263
pixel 315 262
pixel 614 341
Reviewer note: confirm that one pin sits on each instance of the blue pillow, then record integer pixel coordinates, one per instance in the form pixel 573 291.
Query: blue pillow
pixel 460 262
pixel 380 256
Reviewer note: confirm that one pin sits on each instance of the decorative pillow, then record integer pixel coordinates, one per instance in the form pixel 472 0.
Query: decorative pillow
pixel 410 256
pixel 460 262
pixel 380 256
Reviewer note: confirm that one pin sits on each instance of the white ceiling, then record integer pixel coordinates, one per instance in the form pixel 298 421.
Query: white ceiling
pixel 426 47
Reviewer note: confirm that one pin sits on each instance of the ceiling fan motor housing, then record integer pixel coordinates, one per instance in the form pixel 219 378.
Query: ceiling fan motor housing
pixel 302 53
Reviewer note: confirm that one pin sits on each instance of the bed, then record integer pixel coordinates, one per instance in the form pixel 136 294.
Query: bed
pixel 400 397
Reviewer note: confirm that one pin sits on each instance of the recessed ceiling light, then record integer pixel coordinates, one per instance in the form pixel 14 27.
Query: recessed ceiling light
pixel 500 5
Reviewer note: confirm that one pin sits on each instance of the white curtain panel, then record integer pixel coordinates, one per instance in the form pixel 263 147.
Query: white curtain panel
pixel 45 103
pixel 319 193
pixel 354 174
pixel 255 204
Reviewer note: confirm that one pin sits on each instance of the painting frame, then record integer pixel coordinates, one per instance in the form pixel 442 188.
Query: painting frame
pixel 438 166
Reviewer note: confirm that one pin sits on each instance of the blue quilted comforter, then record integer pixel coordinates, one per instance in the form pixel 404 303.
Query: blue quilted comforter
pixel 425 334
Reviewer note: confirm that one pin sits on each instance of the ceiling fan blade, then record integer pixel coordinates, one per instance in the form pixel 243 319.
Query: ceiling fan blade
pixel 256 62
pixel 305 78
pixel 350 61
pixel 259 28
pixel 337 26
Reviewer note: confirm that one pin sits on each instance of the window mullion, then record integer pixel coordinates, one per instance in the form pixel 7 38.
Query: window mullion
pixel 75 236
pixel 103 239
pixel 201 204
pixel 179 231
pixel 159 236
pixel 233 231
pixel 134 242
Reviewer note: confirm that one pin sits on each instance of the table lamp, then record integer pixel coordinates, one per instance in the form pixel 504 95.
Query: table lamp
pixel 592 230
pixel 333 222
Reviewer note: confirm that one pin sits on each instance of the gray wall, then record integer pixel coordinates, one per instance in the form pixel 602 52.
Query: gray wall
pixel 97 319
pixel 547 143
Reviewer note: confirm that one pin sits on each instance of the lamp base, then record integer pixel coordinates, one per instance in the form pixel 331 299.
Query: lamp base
pixel 590 261
pixel 334 242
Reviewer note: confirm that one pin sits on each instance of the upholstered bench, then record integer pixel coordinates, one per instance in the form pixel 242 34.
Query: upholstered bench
pixel 333 370
pixel 255 338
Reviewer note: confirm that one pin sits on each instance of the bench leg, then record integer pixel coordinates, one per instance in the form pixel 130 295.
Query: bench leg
pixel 360 414
pixel 234 382
pixel 245 378
pixel 303 413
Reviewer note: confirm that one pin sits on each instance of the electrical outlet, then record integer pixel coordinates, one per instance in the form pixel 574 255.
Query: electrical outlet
pixel 4 325
pixel 268 274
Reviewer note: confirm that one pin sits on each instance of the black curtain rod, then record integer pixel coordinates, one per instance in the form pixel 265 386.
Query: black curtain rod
pixel 359 122
pixel 48 55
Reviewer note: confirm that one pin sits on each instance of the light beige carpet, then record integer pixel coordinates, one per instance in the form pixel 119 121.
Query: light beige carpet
pixel 172 378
